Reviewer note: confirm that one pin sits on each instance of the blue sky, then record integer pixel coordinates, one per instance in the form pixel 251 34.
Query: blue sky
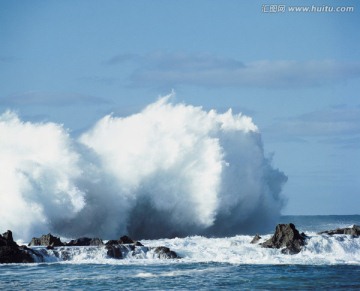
pixel 296 74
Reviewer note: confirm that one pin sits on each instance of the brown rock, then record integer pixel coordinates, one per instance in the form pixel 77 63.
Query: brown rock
pixel 286 236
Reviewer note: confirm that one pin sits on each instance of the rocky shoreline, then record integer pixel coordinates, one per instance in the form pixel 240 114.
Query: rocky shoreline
pixel 11 252
pixel 286 237
pixel 290 241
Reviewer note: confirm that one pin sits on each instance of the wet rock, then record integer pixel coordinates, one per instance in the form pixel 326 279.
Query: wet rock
pixel 80 242
pixel 165 253
pixel 6 239
pixel 46 240
pixel 14 255
pixel 126 247
pixel 118 249
pixel 286 236
pixel 139 244
pixel 85 241
pixel 354 231
pixel 112 242
pixel 114 251
pixel 126 240
pixel 10 252
pixel 63 253
pixel 255 239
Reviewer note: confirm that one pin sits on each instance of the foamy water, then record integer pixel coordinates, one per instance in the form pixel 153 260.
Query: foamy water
pixel 228 263
pixel 319 250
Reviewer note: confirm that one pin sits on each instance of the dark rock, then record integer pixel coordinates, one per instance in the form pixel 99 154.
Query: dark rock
pixel 8 236
pixel 6 239
pixel 46 240
pixel 121 251
pixel 85 241
pixel 139 244
pixel 255 239
pixel 80 242
pixel 112 242
pixel 126 240
pixel 64 254
pixel 165 253
pixel 354 231
pixel 14 255
pixel 303 235
pixel 114 251
pixel 126 246
pixel 10 252
pixel 288 237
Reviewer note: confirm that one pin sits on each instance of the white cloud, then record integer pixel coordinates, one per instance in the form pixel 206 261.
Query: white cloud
pixel 165 69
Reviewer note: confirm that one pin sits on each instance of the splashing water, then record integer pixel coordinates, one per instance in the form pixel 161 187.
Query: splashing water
pixel 169 170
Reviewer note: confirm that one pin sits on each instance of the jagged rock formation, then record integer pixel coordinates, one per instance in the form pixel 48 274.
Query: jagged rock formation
pixel 121 248
pixel 10 252
pixel 255 239
pixel 354 231
pixel 286 236
pixel 46 240
pixel 85 241
pixel 126 240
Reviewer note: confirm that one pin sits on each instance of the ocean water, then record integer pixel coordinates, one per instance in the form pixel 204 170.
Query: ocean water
pixel 231 263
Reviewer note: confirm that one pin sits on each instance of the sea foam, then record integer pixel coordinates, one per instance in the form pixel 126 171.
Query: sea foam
pixel 319 250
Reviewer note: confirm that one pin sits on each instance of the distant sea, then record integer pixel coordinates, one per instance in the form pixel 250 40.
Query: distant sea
pixel 232 263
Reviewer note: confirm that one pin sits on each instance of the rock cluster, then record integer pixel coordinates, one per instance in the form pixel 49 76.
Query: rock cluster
pixel 354 231
pixel 85 241
pixel 120 248
pixel 286 237
pixel 46 240
pixel 10 252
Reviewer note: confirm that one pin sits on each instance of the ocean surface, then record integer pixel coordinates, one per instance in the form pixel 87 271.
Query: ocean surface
pixel 232 263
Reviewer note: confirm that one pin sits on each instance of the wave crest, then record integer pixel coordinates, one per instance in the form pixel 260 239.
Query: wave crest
pixel 170 170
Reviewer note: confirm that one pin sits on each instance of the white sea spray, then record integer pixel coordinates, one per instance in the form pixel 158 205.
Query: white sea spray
pixel 169 170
